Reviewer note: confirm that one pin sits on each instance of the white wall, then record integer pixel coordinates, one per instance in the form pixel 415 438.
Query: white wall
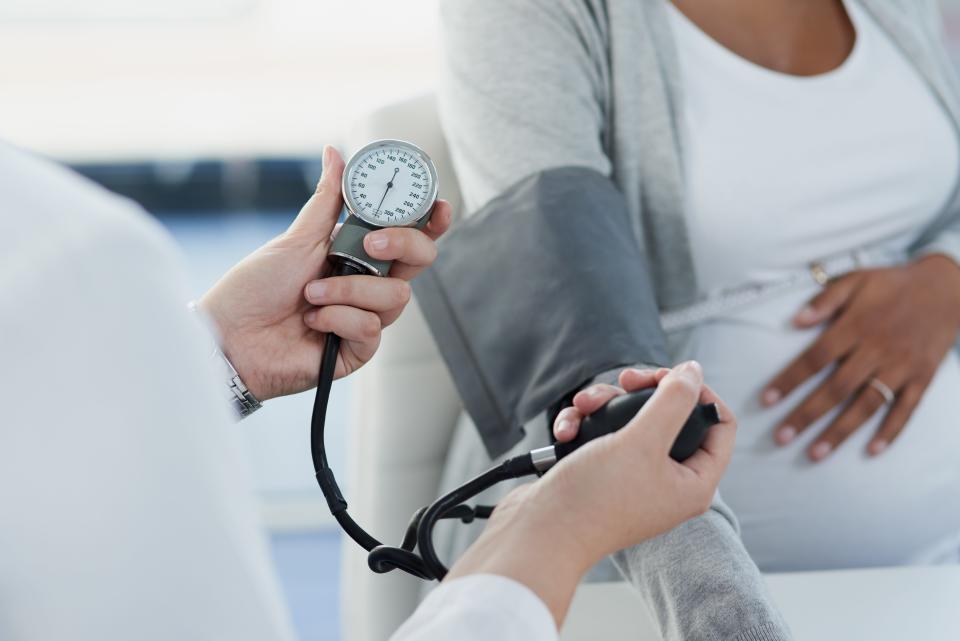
pixel 109 79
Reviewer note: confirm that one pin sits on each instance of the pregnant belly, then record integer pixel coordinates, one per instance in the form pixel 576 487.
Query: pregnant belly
pixel 850 510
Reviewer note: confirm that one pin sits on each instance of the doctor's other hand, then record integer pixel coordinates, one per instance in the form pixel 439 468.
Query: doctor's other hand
pixel 275 307
pixel 613 492
pixel 670 492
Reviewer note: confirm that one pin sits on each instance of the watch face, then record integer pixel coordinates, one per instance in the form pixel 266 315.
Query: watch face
pixel 390 183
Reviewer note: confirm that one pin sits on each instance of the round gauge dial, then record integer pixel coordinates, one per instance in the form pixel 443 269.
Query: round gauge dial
pixel 390 183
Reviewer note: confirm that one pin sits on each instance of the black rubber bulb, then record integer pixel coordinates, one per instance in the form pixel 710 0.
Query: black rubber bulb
pixel 619 411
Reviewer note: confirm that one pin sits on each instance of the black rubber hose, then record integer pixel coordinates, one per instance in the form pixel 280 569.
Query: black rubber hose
pixel 516 467
pixel 384 558
pixel 325 477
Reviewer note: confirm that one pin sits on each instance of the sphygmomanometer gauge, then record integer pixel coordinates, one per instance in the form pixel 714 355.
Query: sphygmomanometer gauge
pixel 388 183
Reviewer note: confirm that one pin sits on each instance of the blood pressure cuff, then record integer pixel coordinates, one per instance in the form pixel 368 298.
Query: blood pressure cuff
pixel 537 293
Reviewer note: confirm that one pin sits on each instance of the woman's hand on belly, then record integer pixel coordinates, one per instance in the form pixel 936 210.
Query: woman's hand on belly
pixel 888 330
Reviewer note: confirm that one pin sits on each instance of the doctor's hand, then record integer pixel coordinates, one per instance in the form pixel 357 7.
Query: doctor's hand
pixel 613 492
pixel 274 308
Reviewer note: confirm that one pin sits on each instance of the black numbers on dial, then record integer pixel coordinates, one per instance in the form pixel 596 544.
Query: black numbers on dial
pixel 389 186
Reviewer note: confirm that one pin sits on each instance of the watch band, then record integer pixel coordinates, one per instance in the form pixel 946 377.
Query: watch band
pixel 243 402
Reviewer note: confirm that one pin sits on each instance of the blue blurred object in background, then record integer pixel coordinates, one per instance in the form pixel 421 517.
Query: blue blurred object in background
pixel 308 565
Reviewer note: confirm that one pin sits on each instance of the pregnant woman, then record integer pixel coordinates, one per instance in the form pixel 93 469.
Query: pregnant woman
pixel 791 169
pixel 847 455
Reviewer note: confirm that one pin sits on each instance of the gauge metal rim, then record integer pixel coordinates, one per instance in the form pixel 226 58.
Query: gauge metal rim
pixel 391 142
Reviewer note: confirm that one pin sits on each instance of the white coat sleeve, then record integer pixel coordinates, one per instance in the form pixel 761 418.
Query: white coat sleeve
pixel 480 607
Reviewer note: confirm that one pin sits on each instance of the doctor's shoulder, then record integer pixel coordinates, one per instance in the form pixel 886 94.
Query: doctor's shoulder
pixel 52 219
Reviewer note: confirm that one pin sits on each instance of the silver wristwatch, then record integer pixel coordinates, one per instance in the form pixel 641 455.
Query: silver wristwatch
pixel 243 402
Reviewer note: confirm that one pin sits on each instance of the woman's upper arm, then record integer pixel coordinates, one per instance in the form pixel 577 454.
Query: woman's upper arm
pixel 523 91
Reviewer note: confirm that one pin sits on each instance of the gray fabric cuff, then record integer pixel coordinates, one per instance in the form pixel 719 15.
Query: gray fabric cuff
pixel 535 294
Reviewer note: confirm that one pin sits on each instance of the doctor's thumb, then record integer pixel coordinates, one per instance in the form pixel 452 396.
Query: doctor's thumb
pixel 664 415
pixel 319 215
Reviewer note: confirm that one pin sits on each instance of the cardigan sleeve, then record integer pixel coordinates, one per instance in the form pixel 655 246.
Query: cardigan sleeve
pixel 944 238
pixel 522 100
pixel 521 91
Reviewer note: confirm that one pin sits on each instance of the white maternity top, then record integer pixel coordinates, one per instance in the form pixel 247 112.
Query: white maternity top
pixel 781 171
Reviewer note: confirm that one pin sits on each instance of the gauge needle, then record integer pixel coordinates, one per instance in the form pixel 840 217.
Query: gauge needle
pixel 389 187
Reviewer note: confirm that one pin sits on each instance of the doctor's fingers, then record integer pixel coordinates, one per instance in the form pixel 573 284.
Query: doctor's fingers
pixel 384 296
pixel 349 323
pixel 711 460
pixel 590 399
pixel 632 378
pixel 593 397
pixel 567 424
pixel 412 250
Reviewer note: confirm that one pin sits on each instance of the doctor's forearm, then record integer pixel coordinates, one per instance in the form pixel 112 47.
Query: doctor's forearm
pixel 533 551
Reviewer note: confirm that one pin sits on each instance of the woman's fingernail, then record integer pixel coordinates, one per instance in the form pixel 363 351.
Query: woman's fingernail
pixel 820 450
pixel 593 392
pixel 877 447
pixel 564 427
pixel 326 156
pixel 378 241
pixel 806 315
pixel 316 291
pixel 786 434
pixel 771 396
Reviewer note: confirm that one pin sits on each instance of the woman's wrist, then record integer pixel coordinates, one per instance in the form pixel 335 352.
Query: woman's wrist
pixel 942 270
